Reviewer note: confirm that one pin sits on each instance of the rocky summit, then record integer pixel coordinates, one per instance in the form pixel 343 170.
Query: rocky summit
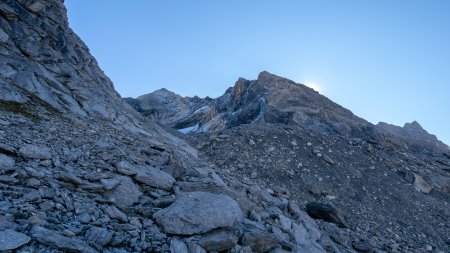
pixel 270 166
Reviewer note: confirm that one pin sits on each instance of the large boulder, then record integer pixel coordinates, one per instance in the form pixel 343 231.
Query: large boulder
pixel 147 175
pixel 325 212
pixel 156 178
pixel 199 212
pixel 125 194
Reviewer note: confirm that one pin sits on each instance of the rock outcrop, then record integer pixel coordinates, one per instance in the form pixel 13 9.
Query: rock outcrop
pixel 268 99
pixel 413 136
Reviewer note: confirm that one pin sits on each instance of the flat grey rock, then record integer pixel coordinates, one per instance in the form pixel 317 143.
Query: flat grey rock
pixel 99 236
pixel 114 213
pixel 35 152
pixel 259 241
pixel 125 194
pixel 6 162
pixel 177 246
pixel 156 178
pixel 10 239
pixel 56 240
pixel 199 212
pixel 218 240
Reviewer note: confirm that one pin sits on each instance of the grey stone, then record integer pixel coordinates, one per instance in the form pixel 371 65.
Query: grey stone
pixel 10 239
pixel 91 187
pixel 362 246
pixel 285 222
pixel 409 176
pixel 177 246
pixel 70 178
pixel 54 239
pixel 114 213
pixel 315 190
pixel 199 212
pixel 6 162
pixel 259 241
pixel 99 236
pixel 304 244
pixel 245 204
pixel 219 240
pixel 325 212
pixel 126 168
pixel 125 194
pixel 156 178
pixel 84 218
pixel 36 6
pixel 328 159
pixel 35 152
pixel 194 248
pixel 4 37
pixel 109 184
pixel 421 185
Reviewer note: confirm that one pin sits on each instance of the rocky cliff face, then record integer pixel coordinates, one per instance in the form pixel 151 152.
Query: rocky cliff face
pixel 43 59
pixel 80 171
pixel 414 136
pixel 276 100
pixel 268 99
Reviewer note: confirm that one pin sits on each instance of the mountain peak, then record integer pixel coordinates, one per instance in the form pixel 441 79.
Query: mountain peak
pixel 413 125
pixel 266 77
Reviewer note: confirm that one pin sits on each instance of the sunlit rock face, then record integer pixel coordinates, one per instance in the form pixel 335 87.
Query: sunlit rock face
pixel 268 99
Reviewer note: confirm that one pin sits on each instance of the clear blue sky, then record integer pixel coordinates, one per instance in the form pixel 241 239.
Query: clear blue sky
pixel 384 60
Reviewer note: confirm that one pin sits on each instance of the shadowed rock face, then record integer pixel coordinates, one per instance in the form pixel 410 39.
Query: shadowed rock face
pixel 42 58
pixel 412 135
pixel 46 69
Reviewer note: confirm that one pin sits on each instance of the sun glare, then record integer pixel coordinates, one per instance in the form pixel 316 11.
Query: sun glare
pixel 314 87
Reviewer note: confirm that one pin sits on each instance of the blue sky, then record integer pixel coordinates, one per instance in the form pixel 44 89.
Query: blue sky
pixel 384 60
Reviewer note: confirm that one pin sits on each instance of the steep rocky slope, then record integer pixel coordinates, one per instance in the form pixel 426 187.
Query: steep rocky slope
pixel 80 171
pixel 412 135
pixel 397 198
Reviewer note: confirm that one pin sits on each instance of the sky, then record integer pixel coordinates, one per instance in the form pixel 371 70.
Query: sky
pixel 384 60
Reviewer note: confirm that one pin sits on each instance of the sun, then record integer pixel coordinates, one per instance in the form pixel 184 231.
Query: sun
pixel 314 86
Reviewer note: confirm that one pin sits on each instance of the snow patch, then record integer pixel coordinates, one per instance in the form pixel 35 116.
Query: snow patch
pixel 188 129
pixel 201 109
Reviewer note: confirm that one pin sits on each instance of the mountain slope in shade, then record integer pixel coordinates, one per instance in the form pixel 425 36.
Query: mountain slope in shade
pixel 42 58
pixel 412 135
pixel 276 100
